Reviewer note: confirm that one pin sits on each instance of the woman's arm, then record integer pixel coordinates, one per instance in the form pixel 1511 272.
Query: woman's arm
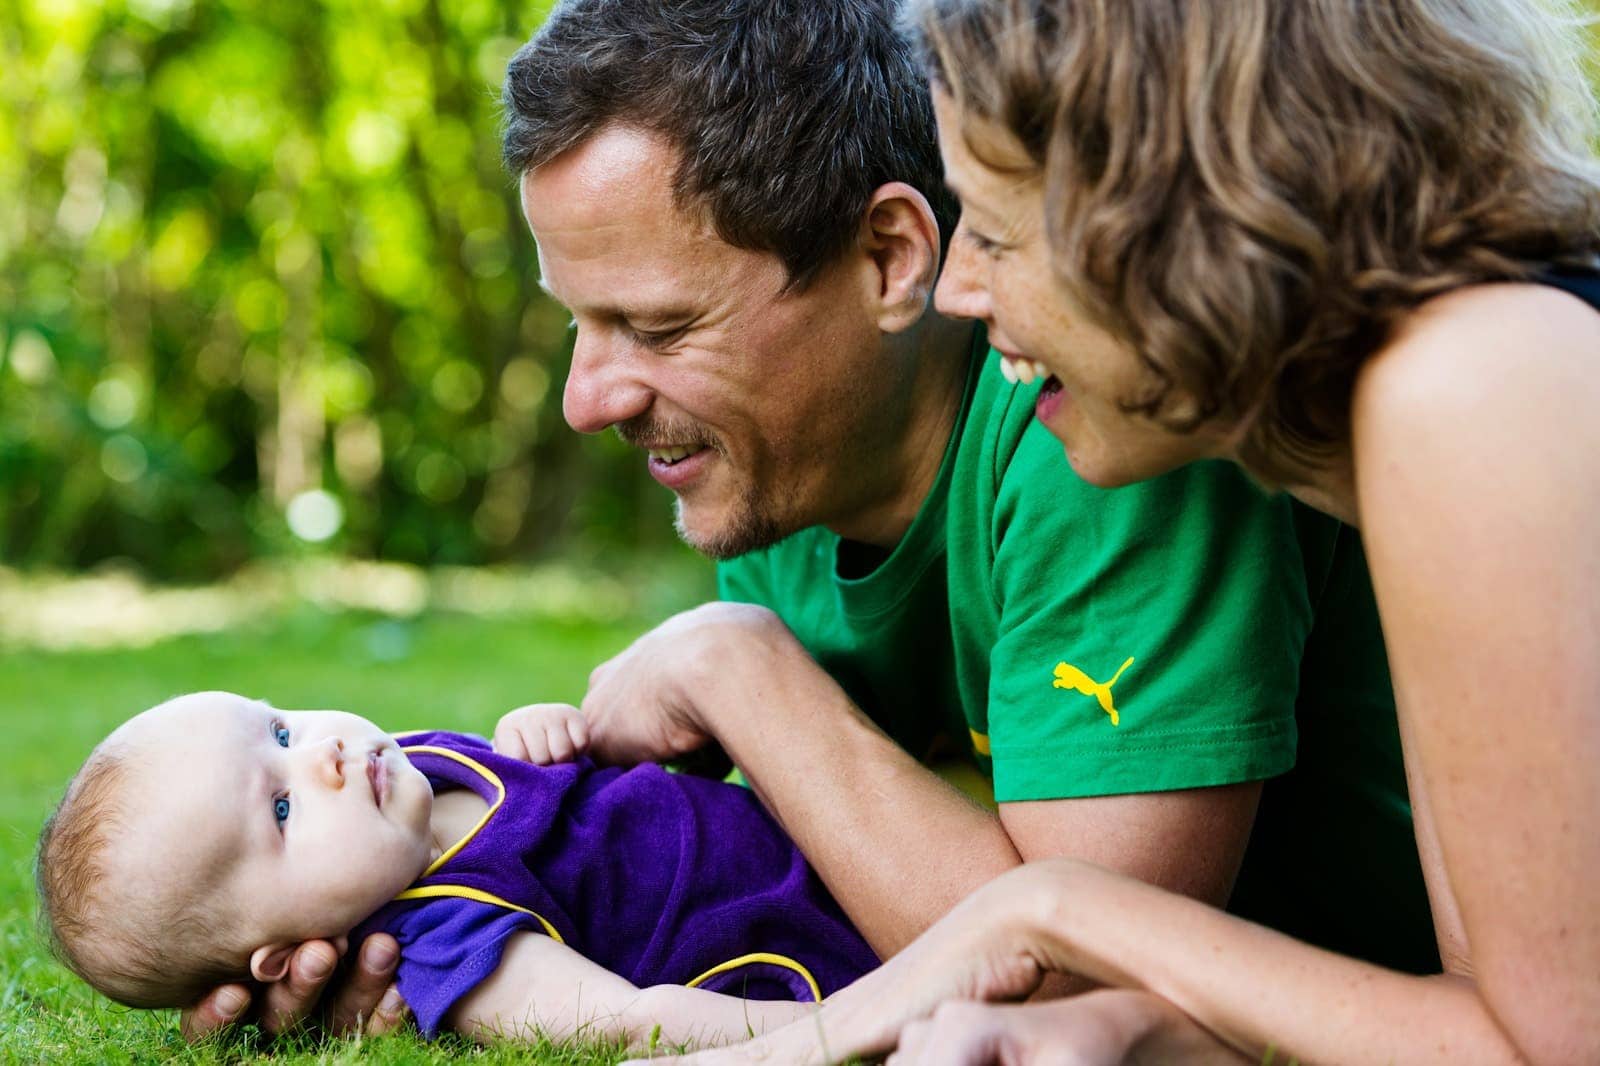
pixel 1255 990
pixel 543 988
pixel 1477 437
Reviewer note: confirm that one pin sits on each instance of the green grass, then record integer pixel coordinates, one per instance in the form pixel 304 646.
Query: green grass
pixel 439 670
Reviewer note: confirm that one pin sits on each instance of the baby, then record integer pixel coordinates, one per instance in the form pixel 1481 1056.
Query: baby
pixel 207 837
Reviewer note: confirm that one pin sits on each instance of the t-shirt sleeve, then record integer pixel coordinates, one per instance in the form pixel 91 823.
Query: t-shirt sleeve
pixel 448 947
pixel 1150 636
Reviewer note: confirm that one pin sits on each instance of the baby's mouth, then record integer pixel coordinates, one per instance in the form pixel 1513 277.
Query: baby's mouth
pixel 377 776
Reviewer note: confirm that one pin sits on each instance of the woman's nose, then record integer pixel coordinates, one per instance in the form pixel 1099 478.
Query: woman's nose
pixel 963 290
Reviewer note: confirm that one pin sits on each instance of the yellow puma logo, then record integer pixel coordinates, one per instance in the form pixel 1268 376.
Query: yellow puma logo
pixel 1069 676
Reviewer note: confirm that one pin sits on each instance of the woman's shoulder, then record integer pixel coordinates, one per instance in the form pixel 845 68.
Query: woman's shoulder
pixel 1481 349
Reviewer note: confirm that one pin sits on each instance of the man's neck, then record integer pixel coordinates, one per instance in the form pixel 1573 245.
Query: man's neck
pixel 943 361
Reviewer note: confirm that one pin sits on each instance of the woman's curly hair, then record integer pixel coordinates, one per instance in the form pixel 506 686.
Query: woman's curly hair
pixel 1250 193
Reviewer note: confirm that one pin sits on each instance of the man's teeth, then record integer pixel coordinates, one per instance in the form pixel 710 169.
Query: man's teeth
pixel 673 454
pixel 1022 371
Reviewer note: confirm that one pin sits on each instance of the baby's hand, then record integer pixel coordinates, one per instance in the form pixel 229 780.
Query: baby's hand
pixel 543 733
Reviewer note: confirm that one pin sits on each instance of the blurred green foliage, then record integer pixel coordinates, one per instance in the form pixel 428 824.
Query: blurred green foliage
pixel 261 273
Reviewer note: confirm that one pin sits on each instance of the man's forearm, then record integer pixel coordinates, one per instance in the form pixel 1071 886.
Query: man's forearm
pixel 895 844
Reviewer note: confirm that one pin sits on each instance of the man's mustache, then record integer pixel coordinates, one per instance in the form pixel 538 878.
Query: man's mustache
pixel 647 430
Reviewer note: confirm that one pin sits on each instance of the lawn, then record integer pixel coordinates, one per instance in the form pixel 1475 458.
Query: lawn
pixel 439 668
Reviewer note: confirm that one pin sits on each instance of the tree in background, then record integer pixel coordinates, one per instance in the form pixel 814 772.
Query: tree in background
pixel 261 271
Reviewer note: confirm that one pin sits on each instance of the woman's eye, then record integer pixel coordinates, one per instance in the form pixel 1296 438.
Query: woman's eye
pixel 280 733
pixel 280 809
pixel 984 244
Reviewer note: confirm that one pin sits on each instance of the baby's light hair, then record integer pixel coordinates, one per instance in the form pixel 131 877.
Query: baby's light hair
pixel 142 945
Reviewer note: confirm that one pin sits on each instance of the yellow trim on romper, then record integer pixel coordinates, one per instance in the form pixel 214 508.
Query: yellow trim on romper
pixel 760 956
pixel 478 894
pixel 482 771
pixel 980 742
pixel 465 892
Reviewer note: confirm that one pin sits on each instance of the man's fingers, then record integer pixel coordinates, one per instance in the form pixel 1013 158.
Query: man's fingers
pixel 221 1008
pixel 357 1001
pixel 390 1014
pixel 289 1002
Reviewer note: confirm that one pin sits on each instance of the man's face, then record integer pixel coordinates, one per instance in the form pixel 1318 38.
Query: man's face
pixel 303 822
pixel 760 409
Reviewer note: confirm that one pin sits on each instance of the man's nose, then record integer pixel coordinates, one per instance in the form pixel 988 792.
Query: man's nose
pixel 603 386
pixel 963 289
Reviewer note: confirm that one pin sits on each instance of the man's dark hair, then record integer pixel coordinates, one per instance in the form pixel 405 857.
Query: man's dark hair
pixel 787 114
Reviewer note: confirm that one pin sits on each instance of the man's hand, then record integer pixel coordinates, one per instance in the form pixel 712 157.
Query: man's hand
pixel 543 733
pixel 366 1001
pixel 643 705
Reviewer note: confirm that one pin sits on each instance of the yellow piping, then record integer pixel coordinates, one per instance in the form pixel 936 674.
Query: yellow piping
pixel 463 892
pixel 483 771
pixel 760 956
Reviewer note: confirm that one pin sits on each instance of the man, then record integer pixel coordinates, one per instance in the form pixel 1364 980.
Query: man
pixel 740 203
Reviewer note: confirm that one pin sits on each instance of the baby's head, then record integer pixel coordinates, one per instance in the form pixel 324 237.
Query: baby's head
pixel 208 836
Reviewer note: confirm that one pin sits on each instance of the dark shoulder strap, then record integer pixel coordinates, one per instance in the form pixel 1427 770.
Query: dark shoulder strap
pixel 1582 282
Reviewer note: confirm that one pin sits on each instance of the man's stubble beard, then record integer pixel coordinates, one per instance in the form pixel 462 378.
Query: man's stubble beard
pixel 751 527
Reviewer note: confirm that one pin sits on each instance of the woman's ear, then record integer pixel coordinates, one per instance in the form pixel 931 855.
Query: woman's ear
pixel 271 963
pixel 901 237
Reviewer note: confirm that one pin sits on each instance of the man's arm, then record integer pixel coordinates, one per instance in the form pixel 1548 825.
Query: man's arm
pixel 895 844
pixel 543 988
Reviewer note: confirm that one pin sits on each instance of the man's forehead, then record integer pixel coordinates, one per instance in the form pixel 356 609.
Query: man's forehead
pixel 619 174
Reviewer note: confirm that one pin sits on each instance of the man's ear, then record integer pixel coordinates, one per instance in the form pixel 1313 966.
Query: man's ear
pixel 901 236
pixel 271 963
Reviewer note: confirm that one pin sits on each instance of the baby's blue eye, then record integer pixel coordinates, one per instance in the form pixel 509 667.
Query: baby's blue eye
pixel 280 809
pixel 280 733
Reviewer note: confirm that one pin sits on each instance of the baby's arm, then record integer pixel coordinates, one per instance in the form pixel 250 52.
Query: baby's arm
pixel 544 988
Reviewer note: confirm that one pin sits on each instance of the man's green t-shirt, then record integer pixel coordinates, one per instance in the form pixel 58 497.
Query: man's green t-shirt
pixel 1183 632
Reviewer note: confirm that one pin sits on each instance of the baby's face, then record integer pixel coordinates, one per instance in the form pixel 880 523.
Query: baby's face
pixel 305 821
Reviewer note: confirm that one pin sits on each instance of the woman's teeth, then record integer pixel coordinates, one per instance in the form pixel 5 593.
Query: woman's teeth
pixel 1020 371
pixel 675 453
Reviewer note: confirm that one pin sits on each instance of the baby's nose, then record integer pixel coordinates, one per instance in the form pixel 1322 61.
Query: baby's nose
pixel 330 762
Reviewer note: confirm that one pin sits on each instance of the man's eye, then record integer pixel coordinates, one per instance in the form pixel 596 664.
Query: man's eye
pixel 280 733
pixel 655 340
pixel 280 809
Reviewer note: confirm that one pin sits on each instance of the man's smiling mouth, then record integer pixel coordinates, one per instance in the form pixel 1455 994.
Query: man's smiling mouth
pixel 673 454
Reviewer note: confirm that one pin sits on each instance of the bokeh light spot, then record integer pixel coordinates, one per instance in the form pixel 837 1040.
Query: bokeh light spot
pixel 123 459
pixel 315 516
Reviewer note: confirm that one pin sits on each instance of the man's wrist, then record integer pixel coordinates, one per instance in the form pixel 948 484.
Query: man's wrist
pixel 728 649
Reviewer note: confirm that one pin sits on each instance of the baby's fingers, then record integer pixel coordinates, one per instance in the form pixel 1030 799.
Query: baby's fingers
pixel 509 741
pixel 578 732
pixel 558 743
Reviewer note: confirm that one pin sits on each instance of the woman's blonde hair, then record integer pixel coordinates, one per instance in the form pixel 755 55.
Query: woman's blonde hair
pixel 1251 192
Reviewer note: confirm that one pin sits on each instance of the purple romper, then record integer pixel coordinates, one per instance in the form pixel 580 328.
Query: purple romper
pixel 662 878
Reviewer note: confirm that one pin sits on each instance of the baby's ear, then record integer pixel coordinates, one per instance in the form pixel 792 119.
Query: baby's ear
pixel 271 963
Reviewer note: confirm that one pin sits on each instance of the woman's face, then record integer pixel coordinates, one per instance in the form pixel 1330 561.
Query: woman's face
pixel 998 272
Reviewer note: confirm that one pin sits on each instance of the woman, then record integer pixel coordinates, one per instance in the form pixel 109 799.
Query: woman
pixel 1351 245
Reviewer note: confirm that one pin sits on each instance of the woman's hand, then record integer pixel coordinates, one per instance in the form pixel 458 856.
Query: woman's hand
pixel 984 949
pixel 366 1000
pixel 1095 1029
